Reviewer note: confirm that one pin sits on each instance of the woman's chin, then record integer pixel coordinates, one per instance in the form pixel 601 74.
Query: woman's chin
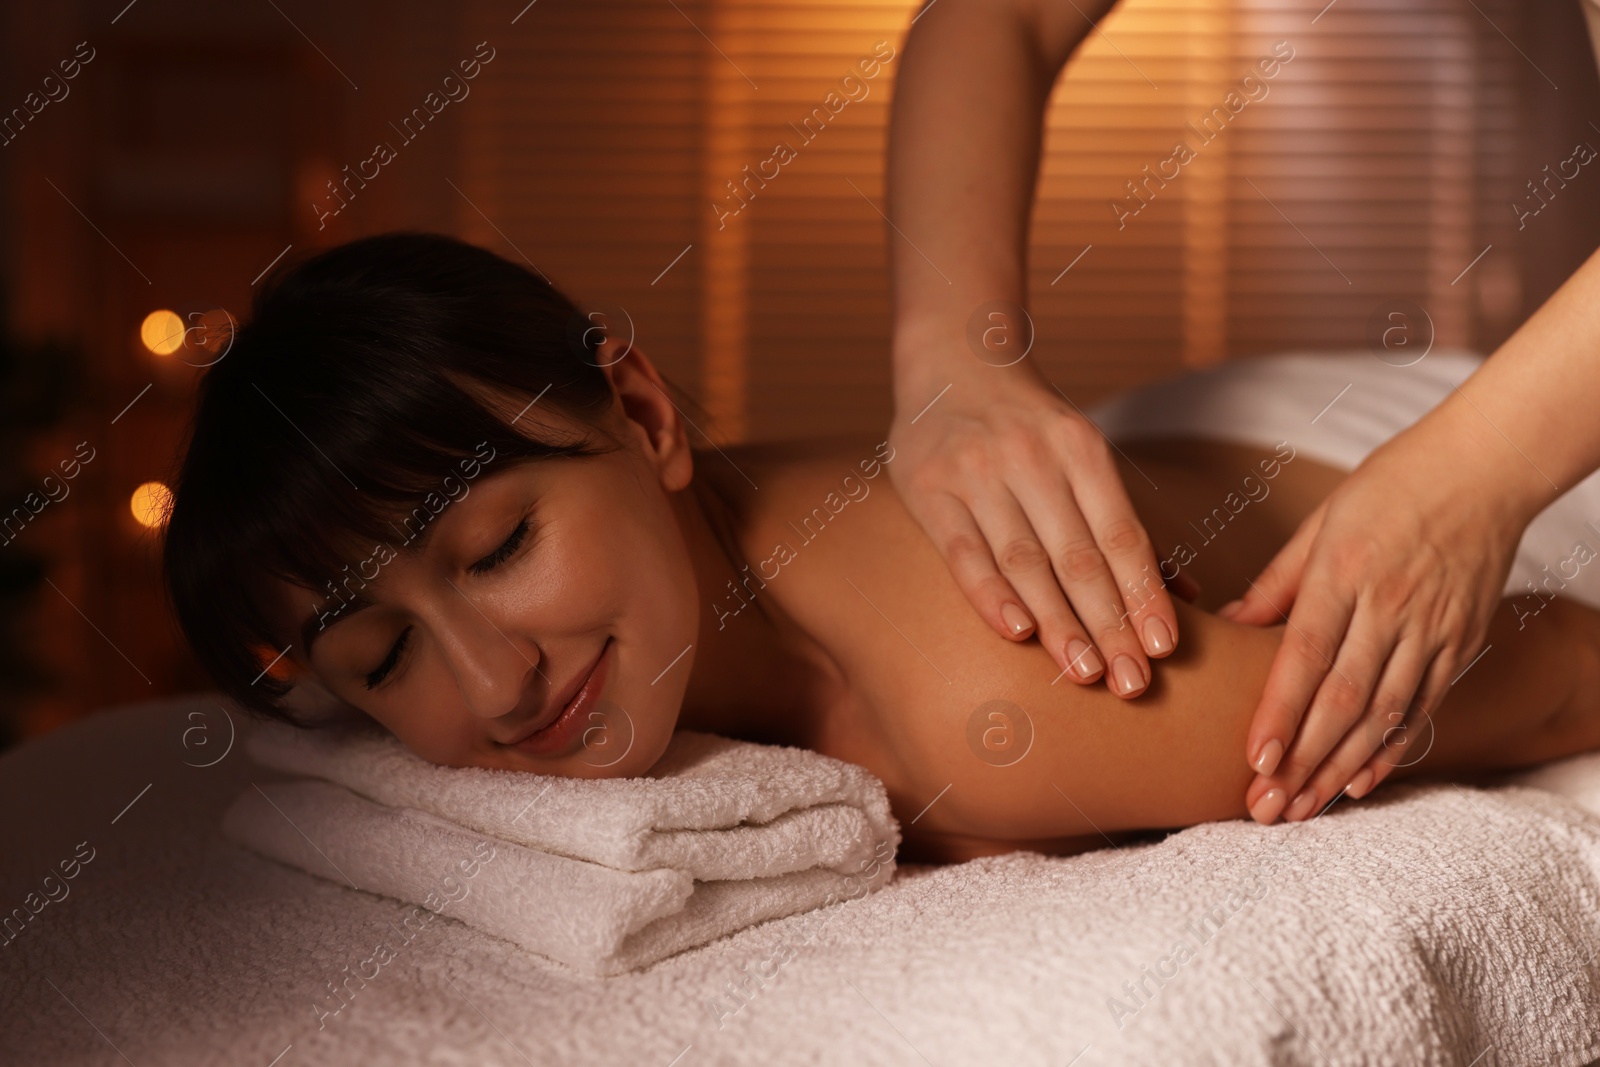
pixel 616 744
pixel 629 752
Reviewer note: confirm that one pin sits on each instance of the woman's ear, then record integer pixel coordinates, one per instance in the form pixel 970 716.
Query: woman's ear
pixel 650 413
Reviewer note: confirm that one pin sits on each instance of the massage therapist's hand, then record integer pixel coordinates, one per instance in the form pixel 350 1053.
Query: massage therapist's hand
pixel 1015 488
pixel 1389 587
pixel 1021 495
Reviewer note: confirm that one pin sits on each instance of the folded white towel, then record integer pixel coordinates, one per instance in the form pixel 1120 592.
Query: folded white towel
pixel 598 920
pixel 711 807
pixel 1422 925
pixel 604 875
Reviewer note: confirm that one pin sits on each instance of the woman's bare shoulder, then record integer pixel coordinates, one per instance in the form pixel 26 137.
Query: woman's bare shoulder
pixel 808 460
pixel 811 509
pixel 975 735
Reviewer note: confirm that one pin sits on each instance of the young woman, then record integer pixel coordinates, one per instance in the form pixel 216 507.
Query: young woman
pixel 421 484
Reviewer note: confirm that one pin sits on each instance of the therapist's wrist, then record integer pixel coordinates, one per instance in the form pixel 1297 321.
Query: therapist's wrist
pixel 940 320
pixel 925 362
pixel 964 382
pixel 1475 457
pixel 1446 469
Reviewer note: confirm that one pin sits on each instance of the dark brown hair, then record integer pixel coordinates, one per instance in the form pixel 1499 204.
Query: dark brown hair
pixel 339 407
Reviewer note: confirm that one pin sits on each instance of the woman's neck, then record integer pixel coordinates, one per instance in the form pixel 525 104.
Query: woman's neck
pixel 751 676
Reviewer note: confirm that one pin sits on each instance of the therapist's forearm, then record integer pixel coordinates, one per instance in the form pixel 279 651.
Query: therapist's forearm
pixel 1532 412
pixel 964 144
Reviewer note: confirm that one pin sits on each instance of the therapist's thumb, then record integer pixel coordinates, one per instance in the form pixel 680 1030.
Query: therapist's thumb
pixel 1267 600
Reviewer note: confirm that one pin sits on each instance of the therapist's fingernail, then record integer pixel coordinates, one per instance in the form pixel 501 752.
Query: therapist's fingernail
pixel 1086 662
pixel 1228 610
pixel 1127 675
pixel 1267 759
pixel 1015 618
pixel 1267 805
pixel 1301 807
pixel 1360 783
pixel 1157 636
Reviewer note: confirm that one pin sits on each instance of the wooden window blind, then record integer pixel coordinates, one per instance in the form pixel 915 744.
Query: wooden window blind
pixel 1372 166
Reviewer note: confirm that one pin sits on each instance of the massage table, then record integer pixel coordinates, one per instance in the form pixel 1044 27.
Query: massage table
pixel 1428 924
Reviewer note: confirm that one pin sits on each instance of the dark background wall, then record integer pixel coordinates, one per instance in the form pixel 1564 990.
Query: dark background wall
pixel 188 154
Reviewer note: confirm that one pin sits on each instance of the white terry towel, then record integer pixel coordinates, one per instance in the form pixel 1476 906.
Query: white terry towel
pixel 709 813
pixel 711 807
pixel 598 920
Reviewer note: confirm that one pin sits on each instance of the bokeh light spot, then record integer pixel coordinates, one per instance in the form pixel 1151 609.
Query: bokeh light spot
pixel 162 332
pixel 150 503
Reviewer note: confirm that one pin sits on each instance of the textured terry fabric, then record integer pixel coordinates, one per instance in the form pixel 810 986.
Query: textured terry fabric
pixel 599 920
pixel 711 806
pixel 1427 924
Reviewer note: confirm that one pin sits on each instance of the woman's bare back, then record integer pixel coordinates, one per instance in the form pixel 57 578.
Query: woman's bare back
pixel 982 745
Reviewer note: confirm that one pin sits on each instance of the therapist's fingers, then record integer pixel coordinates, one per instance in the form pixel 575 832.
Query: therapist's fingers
pixel 1386 711
pixel 951 527
pixel 1127 550
pixel 1407 741
pixel 1273 593
pixel 1078 564
pixel 1404 744
pixel 1315 631
pixel 1065 629
pixel 1340 702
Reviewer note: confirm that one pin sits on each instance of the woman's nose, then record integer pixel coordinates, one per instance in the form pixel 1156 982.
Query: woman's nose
pixel 493 665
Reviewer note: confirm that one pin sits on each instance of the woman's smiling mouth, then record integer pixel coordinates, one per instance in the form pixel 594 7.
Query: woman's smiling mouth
pixel 563 722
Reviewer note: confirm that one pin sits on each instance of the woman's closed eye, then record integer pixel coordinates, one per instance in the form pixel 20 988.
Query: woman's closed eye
pixel 504 552
pixel 376 676
pixel 507 549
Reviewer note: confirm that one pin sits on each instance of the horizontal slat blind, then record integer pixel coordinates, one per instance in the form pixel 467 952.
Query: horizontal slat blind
pixel 1373 166
pixel 584 158
pixel 1370 168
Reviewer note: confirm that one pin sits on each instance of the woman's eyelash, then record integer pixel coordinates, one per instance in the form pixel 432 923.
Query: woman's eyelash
pixel 503 553
pixel 483 566
pixel 376 677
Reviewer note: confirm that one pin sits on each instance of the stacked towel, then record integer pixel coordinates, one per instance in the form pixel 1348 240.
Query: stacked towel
pixel 605 875
pixel 1430 924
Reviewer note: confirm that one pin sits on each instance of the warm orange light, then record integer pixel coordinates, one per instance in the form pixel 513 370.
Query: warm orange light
pixel 149 504
pixel 162 332
pixel 274 663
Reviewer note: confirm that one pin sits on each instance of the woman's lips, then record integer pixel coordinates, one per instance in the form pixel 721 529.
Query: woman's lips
pixel 558 735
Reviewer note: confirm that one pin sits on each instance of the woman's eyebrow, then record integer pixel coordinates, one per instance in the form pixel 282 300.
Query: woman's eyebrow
pixel 314 628
pixel 414 545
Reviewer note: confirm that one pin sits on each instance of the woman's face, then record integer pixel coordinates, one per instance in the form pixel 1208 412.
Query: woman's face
pixel 538 577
